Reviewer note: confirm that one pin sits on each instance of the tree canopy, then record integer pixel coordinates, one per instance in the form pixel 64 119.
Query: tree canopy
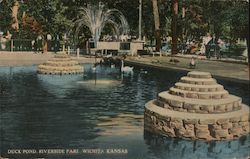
pixel 225 19
pixel 5 15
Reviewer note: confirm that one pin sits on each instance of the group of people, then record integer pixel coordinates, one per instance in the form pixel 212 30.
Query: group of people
pixel 123 38
pixel 4 39
pixel 210 46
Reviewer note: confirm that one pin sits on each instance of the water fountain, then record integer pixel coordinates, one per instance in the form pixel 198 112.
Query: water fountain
pixel 61 64
pixel 96 18
pixel 197 108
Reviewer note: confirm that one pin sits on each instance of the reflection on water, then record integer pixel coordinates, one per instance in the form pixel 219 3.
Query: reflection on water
pixel 99 83
pixel 100 78
pixel 57 84
pixel 163 147
pixel 128 123
pixel 100 109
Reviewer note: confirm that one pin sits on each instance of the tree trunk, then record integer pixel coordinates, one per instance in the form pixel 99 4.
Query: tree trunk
pixel 248 49
pixel 183 37
pixel 15 24
pixel 174 26
pixel 157 25
pixel 45 46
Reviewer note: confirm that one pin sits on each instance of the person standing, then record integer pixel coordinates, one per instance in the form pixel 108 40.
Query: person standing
pixel 192 63
pixel 35 46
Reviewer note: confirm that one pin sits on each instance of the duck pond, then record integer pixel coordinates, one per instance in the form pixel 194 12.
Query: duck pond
pixel 96 115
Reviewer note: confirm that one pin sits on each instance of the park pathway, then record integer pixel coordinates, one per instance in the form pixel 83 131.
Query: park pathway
pixel 224 70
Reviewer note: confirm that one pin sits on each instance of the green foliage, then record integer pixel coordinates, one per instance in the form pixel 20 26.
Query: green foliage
pixel 194 21
pixel 50 14
pixel 240 20
pixel 130 9
pixel 164 8
pixel 5 15
pixel 148 19
pixel 226 19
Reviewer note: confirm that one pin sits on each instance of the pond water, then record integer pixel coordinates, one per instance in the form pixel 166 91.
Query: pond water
pixel 98 110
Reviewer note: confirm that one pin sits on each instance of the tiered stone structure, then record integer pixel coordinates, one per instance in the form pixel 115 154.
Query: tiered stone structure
pixel 61 64
pixel 197 108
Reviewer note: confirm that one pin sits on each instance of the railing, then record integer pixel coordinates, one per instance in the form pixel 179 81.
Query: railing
pixel 26 45
pixel 209 51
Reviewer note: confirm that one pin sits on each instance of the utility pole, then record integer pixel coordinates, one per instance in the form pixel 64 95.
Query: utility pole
pixel 140 18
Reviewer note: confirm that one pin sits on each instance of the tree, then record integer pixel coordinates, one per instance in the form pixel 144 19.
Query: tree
pixel 157 25
pixel 194 22
pixel 174 26
pixel 51 17
pixel 5 15
pixel 227 20
pixel 15 22
pixel 240 21
pixel 129 9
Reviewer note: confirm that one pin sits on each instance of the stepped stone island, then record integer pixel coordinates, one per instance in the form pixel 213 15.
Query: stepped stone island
pixel 61 64
pixel 197 108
